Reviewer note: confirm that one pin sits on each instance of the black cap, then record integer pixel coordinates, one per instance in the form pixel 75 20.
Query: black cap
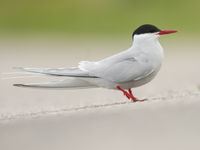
pixel 146 28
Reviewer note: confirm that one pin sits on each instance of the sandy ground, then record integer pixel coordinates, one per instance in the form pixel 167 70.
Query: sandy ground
pixel 98 118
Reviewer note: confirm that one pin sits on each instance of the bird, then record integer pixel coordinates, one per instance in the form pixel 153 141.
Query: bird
pixel 128 69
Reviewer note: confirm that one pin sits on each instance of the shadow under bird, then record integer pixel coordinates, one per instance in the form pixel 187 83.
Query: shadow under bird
pixel 131 68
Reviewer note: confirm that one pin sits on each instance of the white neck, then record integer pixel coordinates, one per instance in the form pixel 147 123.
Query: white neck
pixel 149 44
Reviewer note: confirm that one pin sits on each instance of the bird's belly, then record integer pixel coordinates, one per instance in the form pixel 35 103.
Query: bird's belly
pixel 140 82
pixel 99 82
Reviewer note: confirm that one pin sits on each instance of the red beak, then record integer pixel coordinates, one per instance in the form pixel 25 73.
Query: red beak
pixel 167 32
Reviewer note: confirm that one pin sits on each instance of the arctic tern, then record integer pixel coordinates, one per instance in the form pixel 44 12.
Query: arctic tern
pixel 131 68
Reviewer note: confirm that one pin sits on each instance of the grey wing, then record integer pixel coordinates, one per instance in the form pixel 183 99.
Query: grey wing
pixel 70 72
pixel 70 83
pixel 125 70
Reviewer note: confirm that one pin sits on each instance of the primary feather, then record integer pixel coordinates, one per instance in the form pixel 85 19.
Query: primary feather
pixel 62 84
pixel 70 72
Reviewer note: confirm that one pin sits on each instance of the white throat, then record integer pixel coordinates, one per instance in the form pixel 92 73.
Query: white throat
pixel 148 44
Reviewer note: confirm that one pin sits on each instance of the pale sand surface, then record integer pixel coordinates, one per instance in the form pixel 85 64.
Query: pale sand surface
pixel 99 118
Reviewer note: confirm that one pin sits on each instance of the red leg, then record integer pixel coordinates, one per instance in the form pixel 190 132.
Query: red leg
pixel 129 94
pixel 134 98
pixel 125 92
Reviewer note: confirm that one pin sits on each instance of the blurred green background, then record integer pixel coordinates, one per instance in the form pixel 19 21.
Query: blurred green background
pixel 97 17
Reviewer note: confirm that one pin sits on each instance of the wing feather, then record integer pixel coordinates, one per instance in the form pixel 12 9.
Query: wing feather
pixel 69 83
pixel 119 69
pixel 70 72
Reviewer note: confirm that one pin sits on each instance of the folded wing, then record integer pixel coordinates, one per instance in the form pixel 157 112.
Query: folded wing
pixel 70 72
pixel 119 68
pixel 124 70
pixel 69 83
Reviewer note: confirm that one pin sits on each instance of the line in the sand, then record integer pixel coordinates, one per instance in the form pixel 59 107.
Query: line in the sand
pixel 6 117
pixel 48 112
